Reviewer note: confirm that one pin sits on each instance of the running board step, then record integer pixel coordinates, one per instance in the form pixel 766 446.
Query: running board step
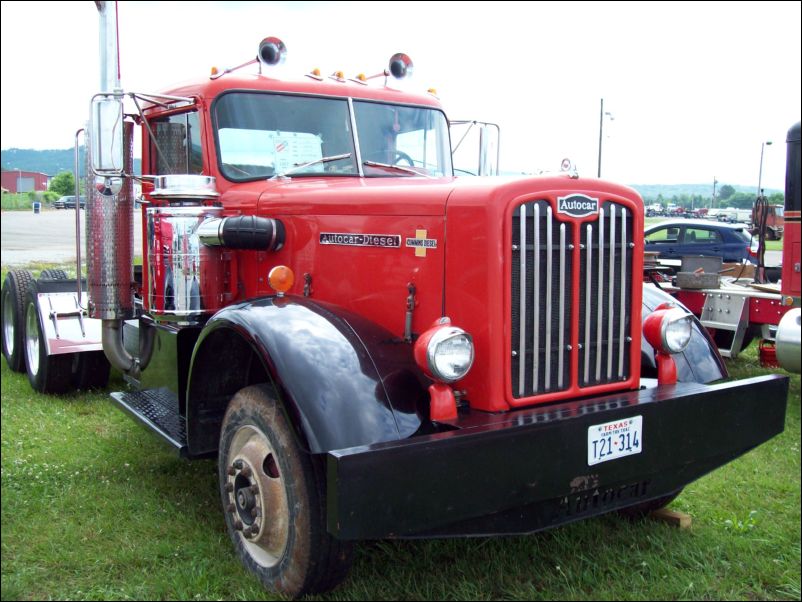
pixel 157 409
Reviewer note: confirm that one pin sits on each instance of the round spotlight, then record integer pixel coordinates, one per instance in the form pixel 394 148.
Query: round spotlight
pixel 400 66
pixel 272 51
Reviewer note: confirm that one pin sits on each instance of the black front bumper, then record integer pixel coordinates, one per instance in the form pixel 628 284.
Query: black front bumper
pixel 528 470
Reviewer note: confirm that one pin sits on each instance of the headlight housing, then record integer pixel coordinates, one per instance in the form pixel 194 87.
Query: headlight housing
pixel 445 352
pixel 676 330
pixel 668 329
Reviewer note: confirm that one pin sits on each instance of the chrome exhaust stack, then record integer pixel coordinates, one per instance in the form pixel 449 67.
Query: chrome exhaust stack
pixel 109 207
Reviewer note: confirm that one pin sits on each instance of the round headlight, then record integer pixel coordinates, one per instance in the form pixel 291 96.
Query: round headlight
pixel 450 354
pixel 676 330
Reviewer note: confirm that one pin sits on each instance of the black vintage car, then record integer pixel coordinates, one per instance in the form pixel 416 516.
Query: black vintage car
pixel 68 202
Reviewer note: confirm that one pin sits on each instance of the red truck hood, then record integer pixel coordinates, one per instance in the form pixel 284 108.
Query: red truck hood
pixel 358 196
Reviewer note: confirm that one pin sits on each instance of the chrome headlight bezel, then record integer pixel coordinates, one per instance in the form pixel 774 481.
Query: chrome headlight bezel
pixel 453 340
pixel 676 329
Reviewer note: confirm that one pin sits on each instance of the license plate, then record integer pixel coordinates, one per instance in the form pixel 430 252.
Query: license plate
pixel 613 440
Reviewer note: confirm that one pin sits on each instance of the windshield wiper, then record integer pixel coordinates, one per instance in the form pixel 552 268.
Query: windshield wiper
pixel 300 166
pixel 408 170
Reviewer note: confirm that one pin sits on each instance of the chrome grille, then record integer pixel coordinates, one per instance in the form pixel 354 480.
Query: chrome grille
pixel 544 253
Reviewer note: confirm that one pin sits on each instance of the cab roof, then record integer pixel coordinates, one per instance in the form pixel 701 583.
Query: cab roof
pixel 206 90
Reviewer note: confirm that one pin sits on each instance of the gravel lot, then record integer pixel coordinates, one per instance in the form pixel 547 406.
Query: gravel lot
pixel 47 236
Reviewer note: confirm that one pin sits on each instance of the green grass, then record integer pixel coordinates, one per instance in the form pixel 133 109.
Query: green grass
pixel 94 507
pixel 11 201
pixel 23 201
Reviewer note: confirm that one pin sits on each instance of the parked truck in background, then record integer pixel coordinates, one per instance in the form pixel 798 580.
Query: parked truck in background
pixel 370 346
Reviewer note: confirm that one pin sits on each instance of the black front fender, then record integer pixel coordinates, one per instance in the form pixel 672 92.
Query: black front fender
pixel 343 381
pixel 700 362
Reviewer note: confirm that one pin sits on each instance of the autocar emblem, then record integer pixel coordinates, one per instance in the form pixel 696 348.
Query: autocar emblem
pixel 577 205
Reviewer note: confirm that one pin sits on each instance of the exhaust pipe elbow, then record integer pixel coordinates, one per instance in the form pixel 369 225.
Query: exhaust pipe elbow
pixel 113 347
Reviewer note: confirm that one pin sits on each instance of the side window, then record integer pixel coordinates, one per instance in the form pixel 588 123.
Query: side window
pixel 664 235
pixel 702 236
pixel 175 147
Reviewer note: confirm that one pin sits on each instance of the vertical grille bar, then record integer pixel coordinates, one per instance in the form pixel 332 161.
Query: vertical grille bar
pixel 623 301
pixel 600 297
pixel 611 296
pixel 522 314
pixel 549 261
pixel 536 304
pixel 588 288
pixel 561 337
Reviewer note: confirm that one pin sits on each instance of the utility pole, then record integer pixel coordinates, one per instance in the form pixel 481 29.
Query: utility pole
pixel 601 127
pixel 602 115
pixel 713 200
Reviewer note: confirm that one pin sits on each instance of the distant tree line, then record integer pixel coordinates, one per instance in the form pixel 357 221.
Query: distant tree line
pixel 726 196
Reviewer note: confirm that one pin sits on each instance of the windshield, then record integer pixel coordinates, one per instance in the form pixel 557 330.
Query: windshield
pixel 414 140
pixel 262 135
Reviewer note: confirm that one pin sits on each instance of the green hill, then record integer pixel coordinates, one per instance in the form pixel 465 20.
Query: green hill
pixel 50 162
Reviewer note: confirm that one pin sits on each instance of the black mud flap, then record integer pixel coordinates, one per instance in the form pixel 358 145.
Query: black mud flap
pixel 532 469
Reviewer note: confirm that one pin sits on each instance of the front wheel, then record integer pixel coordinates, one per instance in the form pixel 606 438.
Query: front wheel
pixel 273 496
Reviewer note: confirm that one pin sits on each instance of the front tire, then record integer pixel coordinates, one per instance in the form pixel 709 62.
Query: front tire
pixel 273 496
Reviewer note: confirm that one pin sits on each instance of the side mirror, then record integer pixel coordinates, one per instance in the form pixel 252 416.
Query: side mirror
pixel 107 134
pixel 488 149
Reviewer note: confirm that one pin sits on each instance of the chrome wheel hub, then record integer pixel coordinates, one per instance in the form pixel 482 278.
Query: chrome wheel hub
pixel 257 499
pixel 32 339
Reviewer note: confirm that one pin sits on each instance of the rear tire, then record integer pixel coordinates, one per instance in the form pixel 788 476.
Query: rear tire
pixel 46 373
pixel 15 289
pixel 54 274
pixel 90 370
pixel 273 496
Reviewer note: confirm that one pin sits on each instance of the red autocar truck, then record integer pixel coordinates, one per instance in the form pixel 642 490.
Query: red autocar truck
pixel 370 346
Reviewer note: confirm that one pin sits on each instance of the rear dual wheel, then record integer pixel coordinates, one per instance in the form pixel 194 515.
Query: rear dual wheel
pixel 273 495
pixel 46 373
pixel 15 289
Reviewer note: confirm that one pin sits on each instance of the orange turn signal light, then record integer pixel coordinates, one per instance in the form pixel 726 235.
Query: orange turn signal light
pixel 281 279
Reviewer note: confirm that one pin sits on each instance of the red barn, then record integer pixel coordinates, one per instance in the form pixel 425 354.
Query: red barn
pixel 18 180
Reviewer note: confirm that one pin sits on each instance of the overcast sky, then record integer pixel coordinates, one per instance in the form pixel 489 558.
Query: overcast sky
pixel 694 88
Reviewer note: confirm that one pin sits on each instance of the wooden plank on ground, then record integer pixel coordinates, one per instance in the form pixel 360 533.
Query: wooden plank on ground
pixel 672 517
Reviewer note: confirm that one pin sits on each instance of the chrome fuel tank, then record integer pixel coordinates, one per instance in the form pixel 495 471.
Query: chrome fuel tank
pixel 186 279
